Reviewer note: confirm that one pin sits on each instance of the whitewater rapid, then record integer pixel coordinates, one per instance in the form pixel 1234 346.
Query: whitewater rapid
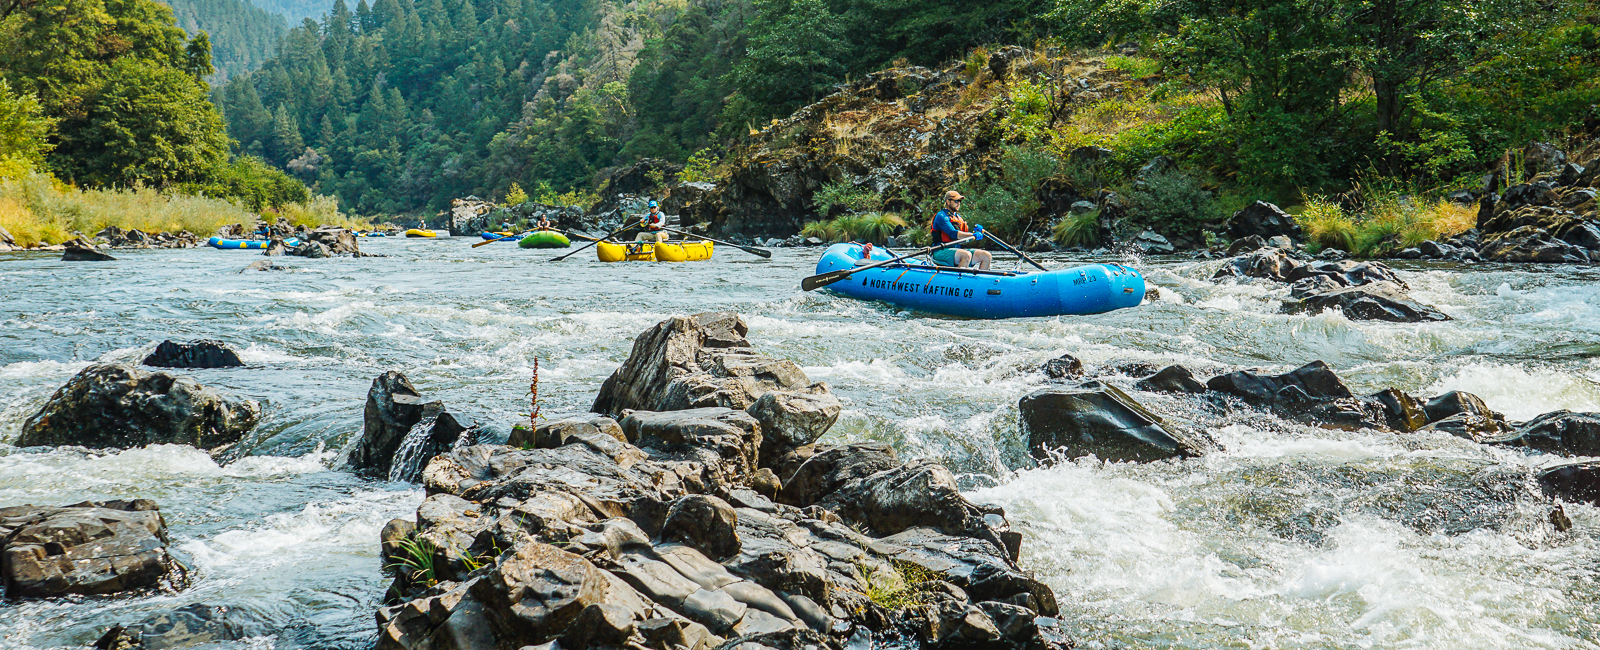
pixel 1290 537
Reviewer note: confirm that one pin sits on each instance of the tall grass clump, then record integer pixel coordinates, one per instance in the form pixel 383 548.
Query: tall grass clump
pixel 847 196
pixel 875 227
pixel 1077 229
pixel 319 211
pixel 1388 223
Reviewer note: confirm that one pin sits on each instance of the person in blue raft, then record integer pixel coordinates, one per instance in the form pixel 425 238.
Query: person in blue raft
pixel 948 226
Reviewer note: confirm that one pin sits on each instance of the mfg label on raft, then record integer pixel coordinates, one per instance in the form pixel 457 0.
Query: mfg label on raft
pixel 910 287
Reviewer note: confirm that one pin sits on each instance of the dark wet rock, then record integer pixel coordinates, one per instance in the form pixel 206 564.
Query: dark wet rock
pixel 1574 482
pixel 825 471
pixel 275 248
pixel 1559 432
pixel 1403 412
pixel 1379 301
pixel 434 434
pixel 263 265
pixel 1347 413
pixel 1065 366
pixel 393 407
pixel 204 353
pixel 84 253
pixel 190 625
pixel 1538 193
pixel 791 419
pixel 1248 244
pixel 119 406
pixel 971 564
pixel 311 249
pixel 91 548
pixel 1314 380
pixel 704 522
pixel 917 494
pixel 730 436
pixel 560 432
pixel 1455 402
pixel 1171 379
pixel 1529 244
pixel 1471 427
pixel 1097 418
pixel 1264 220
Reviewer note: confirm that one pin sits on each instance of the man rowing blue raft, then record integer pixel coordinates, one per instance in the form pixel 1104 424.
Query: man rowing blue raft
pixel 960 283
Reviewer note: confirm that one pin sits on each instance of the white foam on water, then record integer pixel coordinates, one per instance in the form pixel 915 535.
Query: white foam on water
pixel 42 369
pixel 1519 392
pixel 261 353
pixel 67 471
pixel 1126 563
pixel 875 371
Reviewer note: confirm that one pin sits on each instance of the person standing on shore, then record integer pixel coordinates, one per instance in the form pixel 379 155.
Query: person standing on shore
pixel 949 226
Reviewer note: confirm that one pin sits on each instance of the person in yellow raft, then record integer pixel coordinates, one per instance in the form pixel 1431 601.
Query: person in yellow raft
pixel 948 226
pixel 652 223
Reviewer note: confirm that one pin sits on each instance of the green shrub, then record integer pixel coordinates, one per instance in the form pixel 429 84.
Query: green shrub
pixel 1172 200
pixel 854 199
pixel 1005 202
pixel 1326 226
pixel 703 167
pixel 1137 67
pixel 515 195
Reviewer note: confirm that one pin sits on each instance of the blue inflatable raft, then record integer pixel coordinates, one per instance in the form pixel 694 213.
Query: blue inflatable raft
pixel 919 285
pixel 247 244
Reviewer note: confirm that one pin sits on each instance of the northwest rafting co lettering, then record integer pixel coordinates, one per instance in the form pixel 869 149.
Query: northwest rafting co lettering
pixel 911 287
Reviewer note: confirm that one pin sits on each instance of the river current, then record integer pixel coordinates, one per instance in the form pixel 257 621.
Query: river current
pixel 1291 537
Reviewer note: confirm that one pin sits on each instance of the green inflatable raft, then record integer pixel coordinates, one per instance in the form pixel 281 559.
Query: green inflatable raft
pixel 545 239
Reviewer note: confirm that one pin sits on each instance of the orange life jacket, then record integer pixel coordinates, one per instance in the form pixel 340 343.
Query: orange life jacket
pixel 955 220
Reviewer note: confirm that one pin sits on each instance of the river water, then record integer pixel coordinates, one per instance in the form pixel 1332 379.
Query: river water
pixel 1292 537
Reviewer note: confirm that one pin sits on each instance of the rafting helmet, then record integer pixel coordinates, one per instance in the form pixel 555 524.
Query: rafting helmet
pixel 653 204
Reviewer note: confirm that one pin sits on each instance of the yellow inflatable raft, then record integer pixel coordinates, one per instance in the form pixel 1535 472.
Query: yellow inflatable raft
pixel 421 233
pixel 681 251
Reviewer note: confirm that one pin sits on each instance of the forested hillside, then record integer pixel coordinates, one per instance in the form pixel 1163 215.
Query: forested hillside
pixel 296 10
pixel 401 105
pixel 243 36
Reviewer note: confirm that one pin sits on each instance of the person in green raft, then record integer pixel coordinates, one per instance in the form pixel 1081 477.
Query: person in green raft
pixel 653 222
pixel 948 226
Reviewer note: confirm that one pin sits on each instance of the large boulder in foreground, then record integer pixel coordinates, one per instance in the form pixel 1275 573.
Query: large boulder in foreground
pixel 393 407
pixel 119 406
pixel 705 361
pixel 1574 482
pixel 90 549
pixel 1098 418
pixel 204 353
pixel 190 625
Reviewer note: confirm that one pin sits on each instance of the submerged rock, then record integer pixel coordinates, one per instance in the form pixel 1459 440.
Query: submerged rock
pixel 204 353
pixel 1314 380
pixel 1574 482
pixel 1559 432
pixel 91 548
pixel 190 625
pixel 1065 366
pixel 85 254
pixel 119 406
pixel 1171 379
pixel 1381 301
pixel 1097 418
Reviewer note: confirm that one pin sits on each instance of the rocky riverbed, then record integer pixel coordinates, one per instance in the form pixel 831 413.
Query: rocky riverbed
pixel 1399 494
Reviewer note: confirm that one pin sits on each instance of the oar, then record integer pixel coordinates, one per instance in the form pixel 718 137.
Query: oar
pixel 819 281
pixel 486 242
pixel 990 236
pixel 570 233
pixel 753 251
pixel 608 236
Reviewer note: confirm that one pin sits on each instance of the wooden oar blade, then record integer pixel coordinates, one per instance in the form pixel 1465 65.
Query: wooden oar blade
pixel 819 281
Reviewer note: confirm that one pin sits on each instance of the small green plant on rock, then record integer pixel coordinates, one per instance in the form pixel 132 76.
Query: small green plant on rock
pixel 416 561
pixel 895 587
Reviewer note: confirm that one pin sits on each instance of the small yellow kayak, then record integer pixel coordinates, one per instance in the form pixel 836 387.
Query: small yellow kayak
pixel 421 233
pixel 681 251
